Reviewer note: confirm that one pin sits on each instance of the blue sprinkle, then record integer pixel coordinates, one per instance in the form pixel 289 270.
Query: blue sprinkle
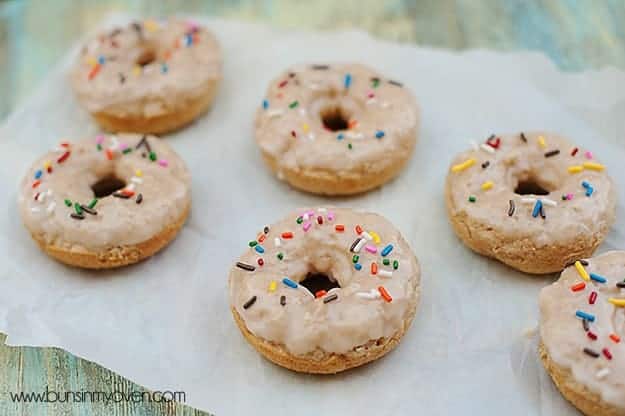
pixel 589 191
pixel 101 59
pixel 164 68
pixel 265 104
pixel 586 316
pixel 289 283
pixel 188 40
pixel 379 134
pixel 340 136
pixel 537 208
pixel 358 266
pixel 586 185
pixel 259 248
pixel 386 250
pixel 598 278
pixel 348 80
pixel 38 174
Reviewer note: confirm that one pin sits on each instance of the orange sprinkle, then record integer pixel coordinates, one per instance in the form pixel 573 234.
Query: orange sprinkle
pixel 615 338
pixel 167 55
pixel 374 268
pixel 36 183
pixel 385 294
pixel 127 193
pixel 320 293
pixel 287 235
pixel 261 238
pixel 358 229
pixel 578 286
pixel 94 71
pixel 339 227
pixel 109 154
pixel 351 124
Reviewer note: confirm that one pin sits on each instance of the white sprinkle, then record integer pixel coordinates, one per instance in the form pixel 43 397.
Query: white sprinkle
pixel 322 209
pixel 34 209
pixel 360 245
pixel 487 148
pixel 311 136
pixel 602 373
pixel 115 143
pixel 354 135
pixel 130 187
pixel 549 202
pixel 51 207
pixel 372 294
pixel 276 242
pixel 306 217
pixel 136 179
pixel 385 273
pixel 42 197
pixel 474 145
pixel 528 200
pixel 49 192
pixel 302 111
pixel 276 112
pixel 334 289
pixel 367 235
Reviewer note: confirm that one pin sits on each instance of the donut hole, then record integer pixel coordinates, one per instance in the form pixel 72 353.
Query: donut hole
pixel 531 186
pixel 315 282
pixel 335 118
pixel 107 185
pixel 146 57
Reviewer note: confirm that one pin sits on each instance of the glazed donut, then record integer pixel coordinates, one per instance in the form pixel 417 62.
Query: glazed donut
pixel 106 202
pixel 582 321
pixel 336 130
pixel 532 201
pixel 324 290
pixel 148 77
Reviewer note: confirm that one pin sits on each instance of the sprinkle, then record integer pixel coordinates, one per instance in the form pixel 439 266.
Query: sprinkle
pixel 354 244
pixel 591 335
pixel 550 202
pixel 109 154
pixel 36 183
pixel 593 166
pixel 385 273
pixel 375 236
pixel 261 238
pixel 585 325
pixel 139 199
pixel 88 210
pixel 339 227
pixel 385 295
pixel 472 198
pixel 379 134
pixel 360 245
pixel 485 164
pixel 598 278
pixel 245 266
pixel 330 216
pixel 606 352
pixel 584 315
pixel 152 156
pixel 617 302
pixel 282 300
pixel 588 187
pixel 581 271
pixel 63 157
pixel 374 268
pixel 537 208
pixel 386 262
pixel 289 283
pixel 260 261
pixel 542 212
pixel 603 373
pixel 358 229
pixel 371 249
pixel 373 294
pixel 355 258
pixel 511 208
pixel 164 68
pixel 77 208
pixel 320 67
pixel 487 148
pixel 615 338
pixel 462 166
pixel 395 83
pixel 252 243
pixel 68 202
pixel 358 266
pixel 280 256
pixel 386 250
pixel 272 286
pixel 330 298
pixel 319 220
pixel 574 151
pixel 287 235
pixel 620 285
pixel 94 71
pixel 575 169
pixel 259 249
pixel 77 216
pixel 307 226
pixel 340 136
pixel 395 264
pixel 487 185
pixel 541 142
pixel 591 352
pixel 588 154
pixel 347 81
pixel 282 84
pixel 293 104
pixel 578 286
pixel 552 153
pixel 528 200
pixel 163 163
pixel 367 236
pixel 320 293
pixel 523 138
pixel 250 302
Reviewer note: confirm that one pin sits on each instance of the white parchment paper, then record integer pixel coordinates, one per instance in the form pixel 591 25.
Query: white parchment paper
pixel 165 323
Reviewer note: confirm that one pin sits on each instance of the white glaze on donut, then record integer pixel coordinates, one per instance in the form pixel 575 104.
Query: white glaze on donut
pixel 359 314
pixel 107 77
pixel 67 173
pixel 563 333
pixel 383 114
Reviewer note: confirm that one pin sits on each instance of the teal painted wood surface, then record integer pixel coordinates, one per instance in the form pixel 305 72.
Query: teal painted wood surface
pixel 575 34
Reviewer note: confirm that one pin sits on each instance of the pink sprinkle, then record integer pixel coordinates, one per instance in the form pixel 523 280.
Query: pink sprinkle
pixel 123 147
pixel 310 213
pixel 371 249
pixel 163 163
pixel 569 196
pixel 370 95
pixel 330 216
pixel 99 139
pixel 588 154
pixel 307 226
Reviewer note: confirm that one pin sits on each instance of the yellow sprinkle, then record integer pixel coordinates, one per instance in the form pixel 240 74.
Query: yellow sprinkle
pixel 582 272
pixel 594 166
pixel 272 286
pixel 541 141
pixel 47 164
pixel 575 169
pixel 91 61
pixel 136 70
pixel 462 166
pixel 150 25
pixel 138 173
pixel 487 185
pixel 376 237
pixel 617 302
pixel 305 127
